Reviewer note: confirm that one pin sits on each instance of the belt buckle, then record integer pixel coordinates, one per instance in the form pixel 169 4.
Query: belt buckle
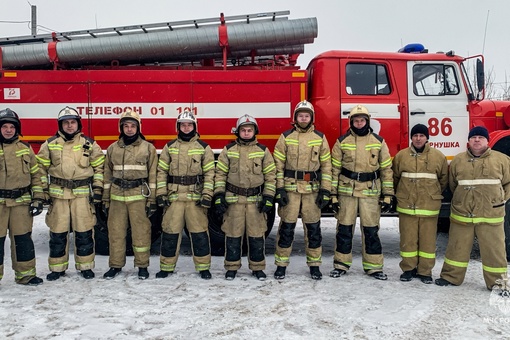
pixel 307 176
pixel 183 181
pixel 15 193
pixel 358 174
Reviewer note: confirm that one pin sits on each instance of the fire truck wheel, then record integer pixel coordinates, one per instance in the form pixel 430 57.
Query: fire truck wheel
pixel 218 237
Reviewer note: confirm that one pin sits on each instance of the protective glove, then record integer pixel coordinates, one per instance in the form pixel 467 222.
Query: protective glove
pixel 97 196
pixel 36 207
pixel 162 201
pixel 205 201
pixel 281 197
pixel 388 203
pixel 220 203
pixel 335 205
pixel 47 198
pixel 151 208
pixel 266 204
pixel 106 207
pixel 322 199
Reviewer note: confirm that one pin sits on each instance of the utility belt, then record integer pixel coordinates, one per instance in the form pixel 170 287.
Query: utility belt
pixel 360 176
pixel 69 183
pixel 303 175
pixel 128 183
pixel 244 191
pixel 15 193
pixel 185 180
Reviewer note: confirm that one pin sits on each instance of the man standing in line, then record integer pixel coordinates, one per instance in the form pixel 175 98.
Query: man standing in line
pixel 303 186
pixel 21 198
pixel 244 190
pixel 74 163
pixel 420 175
pixel 129 196
pixel 363 180
pixel 185 184
pixel 480 183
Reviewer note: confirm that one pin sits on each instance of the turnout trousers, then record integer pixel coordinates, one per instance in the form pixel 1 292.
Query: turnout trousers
pixel 64 216
pixel 19 223
pixel 240 219
pixel 122 214
pixel 176 216
pixel 371 251
pixel 418 243
pixel 310 215
pixel 491 239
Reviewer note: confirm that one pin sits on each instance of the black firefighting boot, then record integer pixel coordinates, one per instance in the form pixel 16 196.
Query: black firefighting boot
pixel 35 281
pixel 205 274
pixel 259 274
pixel 443 282
pixel 230 275
pixel 143 273
pixel 163 274
pixel 408 275
pixel 379 276
pixel 315 273
pixel 88 274
pixel 337 272
pixel 279 274
pixel 55 276
pixel 111 273
pixel 425 279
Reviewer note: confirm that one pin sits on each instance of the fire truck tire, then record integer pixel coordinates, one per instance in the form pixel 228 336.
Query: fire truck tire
pixel 218 237
pixel 102 246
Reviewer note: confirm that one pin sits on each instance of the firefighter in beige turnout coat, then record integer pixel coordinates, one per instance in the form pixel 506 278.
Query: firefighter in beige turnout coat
pixel 74 163
pixel 303 185
pixel 363 180
pixel 129 196
pixel 420 175
pixel 480 182
pixel 185 184
pixel 244 190
pixel 21 198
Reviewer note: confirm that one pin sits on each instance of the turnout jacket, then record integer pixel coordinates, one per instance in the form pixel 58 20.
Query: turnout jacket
pixel 245 165
pixel 137 161
pixel 79 158
pixel 302 150
pixel 18 170
pixel 190 159
pixel 363 154
pixel 419 180
pixel 480 186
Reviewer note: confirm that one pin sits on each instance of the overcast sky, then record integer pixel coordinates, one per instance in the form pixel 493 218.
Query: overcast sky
pixel 466 26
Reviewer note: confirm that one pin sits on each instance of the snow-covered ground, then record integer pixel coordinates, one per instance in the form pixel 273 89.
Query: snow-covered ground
pixel 184 306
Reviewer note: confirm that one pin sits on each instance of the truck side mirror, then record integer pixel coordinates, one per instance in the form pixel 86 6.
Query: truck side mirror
pixel 480 75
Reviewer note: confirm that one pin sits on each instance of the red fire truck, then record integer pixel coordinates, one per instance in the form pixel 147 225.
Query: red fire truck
pixel 224 67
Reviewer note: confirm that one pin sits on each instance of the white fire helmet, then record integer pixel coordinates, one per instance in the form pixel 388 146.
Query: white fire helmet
pixel 246 120
pixel 359 110
pixel 185 117
pixel 129 114
pixel 68 113
pixel 305 106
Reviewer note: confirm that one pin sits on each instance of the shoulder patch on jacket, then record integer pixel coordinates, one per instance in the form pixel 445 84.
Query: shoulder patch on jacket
pixel 230 145
pixel 318 133
pixel 263 147
pixel 52 138
pixel 201 142
pixel 25 143
pixel 379 138
pixel 88 139
pixel 341 138
pixel 288 132
pixel 171 142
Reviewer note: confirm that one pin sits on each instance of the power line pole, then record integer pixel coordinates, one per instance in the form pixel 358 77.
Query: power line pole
pixel 33 22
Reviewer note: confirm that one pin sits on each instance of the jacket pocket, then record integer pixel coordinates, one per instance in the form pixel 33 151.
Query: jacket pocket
pixel 257 166
pixel 374 157
pixel 25 160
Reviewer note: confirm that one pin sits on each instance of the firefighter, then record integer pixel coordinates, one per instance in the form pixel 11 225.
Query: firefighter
pixel 244 188
pixel 362 183
pixel 74 165
pixel 185 184
pixel 420 175
pixel 480 183
pixel 129 196
pixel 303 186
pixel 21 198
